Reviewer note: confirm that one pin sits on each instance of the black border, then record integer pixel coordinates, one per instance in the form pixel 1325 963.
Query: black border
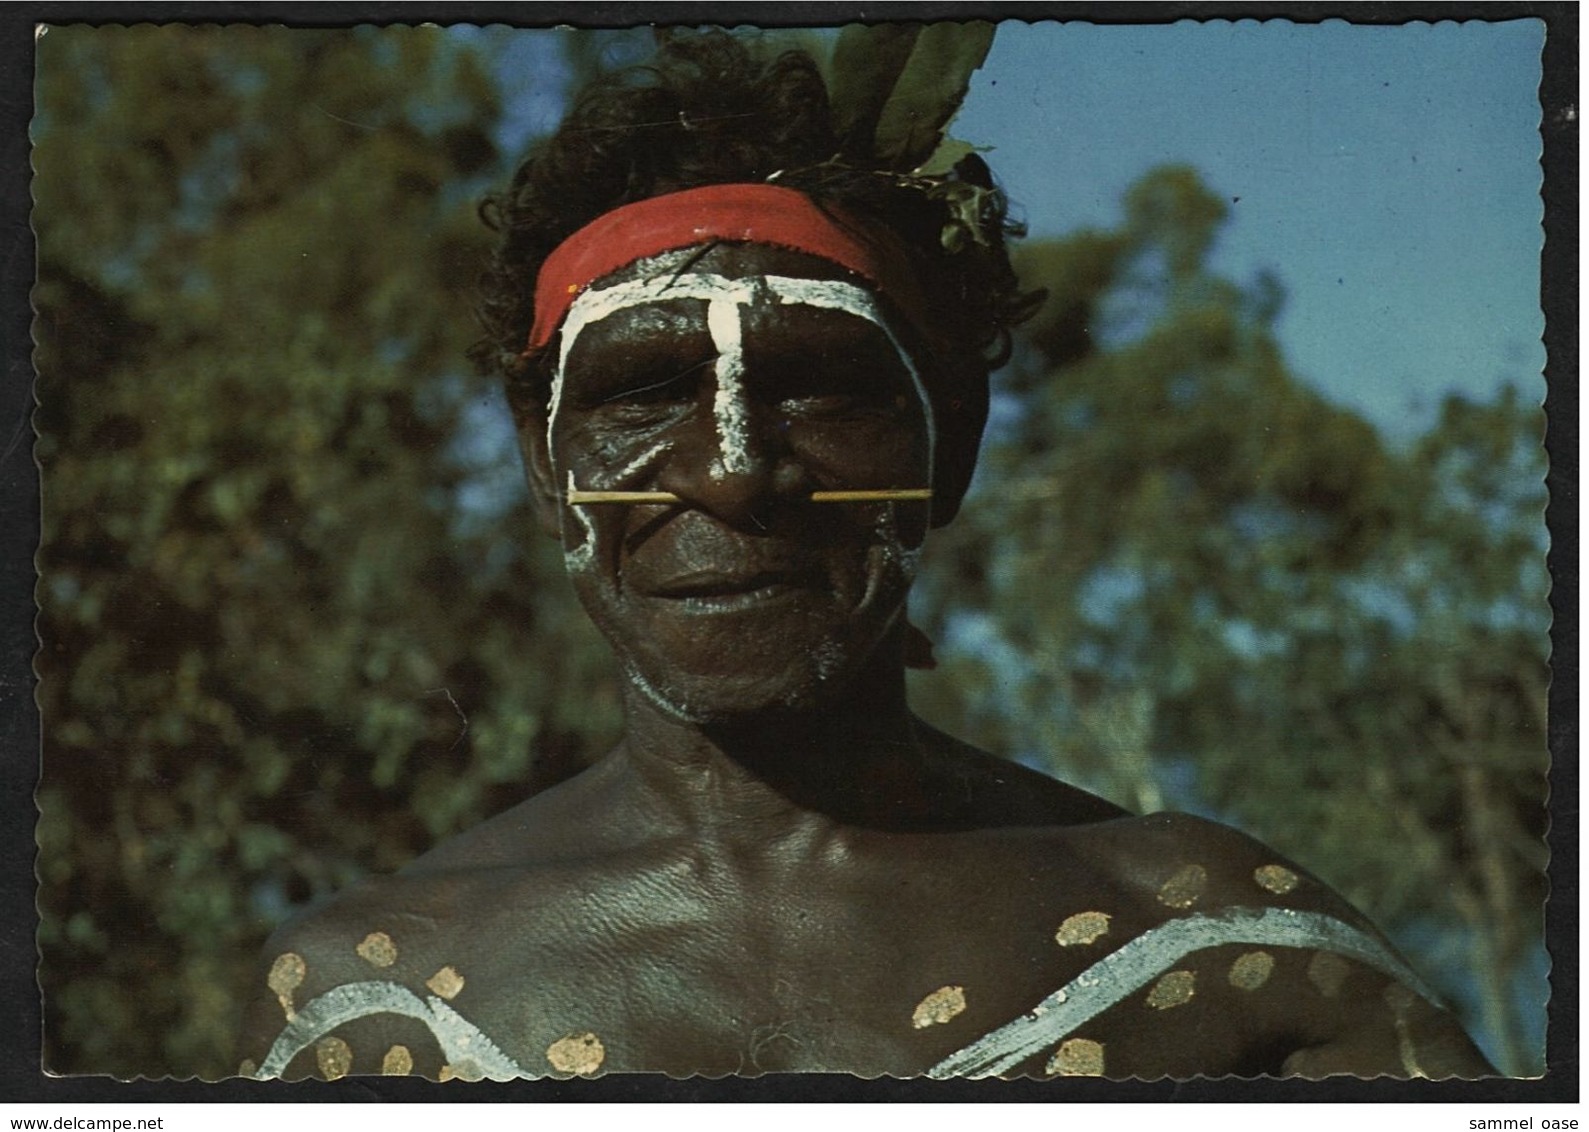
pixel 21 1077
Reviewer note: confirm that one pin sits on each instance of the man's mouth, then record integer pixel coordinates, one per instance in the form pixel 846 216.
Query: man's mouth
pixel 718 589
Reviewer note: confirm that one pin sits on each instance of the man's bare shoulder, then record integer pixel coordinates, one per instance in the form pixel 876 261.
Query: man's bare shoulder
pixel 321 975
pixel 1203 950
pixel 1179 861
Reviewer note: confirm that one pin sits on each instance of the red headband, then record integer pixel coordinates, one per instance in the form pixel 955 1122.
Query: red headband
pixel 755 214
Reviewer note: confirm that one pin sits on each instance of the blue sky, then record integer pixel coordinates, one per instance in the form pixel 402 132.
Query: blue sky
pixel 1388 175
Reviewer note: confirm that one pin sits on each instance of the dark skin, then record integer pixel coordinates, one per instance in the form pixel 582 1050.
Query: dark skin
pixel 779 867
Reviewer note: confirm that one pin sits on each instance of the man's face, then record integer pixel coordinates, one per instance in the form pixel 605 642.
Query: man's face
pixel 741 380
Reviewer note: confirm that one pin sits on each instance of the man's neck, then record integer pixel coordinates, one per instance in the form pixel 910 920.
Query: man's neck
pixel 858 760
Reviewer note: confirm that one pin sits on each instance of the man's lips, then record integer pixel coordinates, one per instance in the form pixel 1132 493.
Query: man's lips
pixel 721 583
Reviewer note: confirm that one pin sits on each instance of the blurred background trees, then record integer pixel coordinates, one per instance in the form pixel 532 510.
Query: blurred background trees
pixel 297 625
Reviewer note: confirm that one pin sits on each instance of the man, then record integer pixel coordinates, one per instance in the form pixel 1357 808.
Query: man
pixel 749 377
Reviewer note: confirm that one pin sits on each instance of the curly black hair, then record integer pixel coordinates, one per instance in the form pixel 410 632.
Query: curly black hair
pixel 704 111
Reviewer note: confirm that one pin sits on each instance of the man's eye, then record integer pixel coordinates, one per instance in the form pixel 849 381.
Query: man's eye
pixel 821 405
pixel 836 405
pixel 660 393
pixel 669 387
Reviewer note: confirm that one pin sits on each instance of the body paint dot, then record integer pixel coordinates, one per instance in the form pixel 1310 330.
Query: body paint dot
pixel 247 1068
pixel 1275 878
pixel 1183 889
pixel 465 1070
pixel 938 1007
pixel 1327 971
pixel 286 975
pixel 577 1053
pixel 1082 928
pixel 445 983
pixel 1252 970
pixel 334 1058
pixel 397 1062
pixel 1174 989
pixel 377 949
pixel 1079 1057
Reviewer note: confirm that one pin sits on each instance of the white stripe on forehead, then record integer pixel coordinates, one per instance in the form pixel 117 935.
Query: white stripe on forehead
pixel 829 294
pixel 729 405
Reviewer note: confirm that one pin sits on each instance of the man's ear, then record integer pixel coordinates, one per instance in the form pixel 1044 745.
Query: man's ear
pixel 546 497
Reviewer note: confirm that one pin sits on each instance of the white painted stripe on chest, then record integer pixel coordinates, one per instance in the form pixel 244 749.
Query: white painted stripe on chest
pixel 1149 955
pixel 461 1041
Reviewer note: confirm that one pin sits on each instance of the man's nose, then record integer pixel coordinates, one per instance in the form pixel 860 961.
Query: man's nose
pixel 734 466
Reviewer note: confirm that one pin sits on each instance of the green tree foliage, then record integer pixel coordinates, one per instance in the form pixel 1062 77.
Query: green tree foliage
pixel 1188 581
pixel 284 640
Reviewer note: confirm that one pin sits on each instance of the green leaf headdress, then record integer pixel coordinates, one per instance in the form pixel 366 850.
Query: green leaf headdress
pixel 894 89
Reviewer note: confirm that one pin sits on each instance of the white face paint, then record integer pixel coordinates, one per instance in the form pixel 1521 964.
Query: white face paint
pixel 730 407
pixel 577 558
pixel 726 298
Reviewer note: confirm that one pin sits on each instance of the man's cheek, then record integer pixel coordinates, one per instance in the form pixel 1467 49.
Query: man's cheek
pixel 604 460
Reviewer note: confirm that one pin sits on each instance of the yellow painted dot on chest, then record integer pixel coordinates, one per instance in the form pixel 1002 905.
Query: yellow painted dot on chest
pixel 1275 878
pixel 1173 989
pixel 377 949
pixel 938 1007
pixel 1184 888
pixel 1252 970
pixel 1078 1057
pixel 397 1062
pixel 445 983
pixel 334 1057
pixel 1082 928
pixel 1327 971
pixel 287 974
pixel 577 1053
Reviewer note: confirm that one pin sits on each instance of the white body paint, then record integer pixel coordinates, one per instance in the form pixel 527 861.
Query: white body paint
pixel 730 404
pixel 1106 982
pixel 579 557
pixel 726 296
pixel 1149 955
pixel 463 1045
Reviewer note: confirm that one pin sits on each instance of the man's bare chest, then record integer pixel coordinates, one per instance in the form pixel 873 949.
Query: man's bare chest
pixel 701 964
pixel 702 973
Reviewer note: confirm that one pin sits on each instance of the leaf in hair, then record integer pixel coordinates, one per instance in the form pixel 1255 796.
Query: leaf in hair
pixel 867 63
pixel 928 91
